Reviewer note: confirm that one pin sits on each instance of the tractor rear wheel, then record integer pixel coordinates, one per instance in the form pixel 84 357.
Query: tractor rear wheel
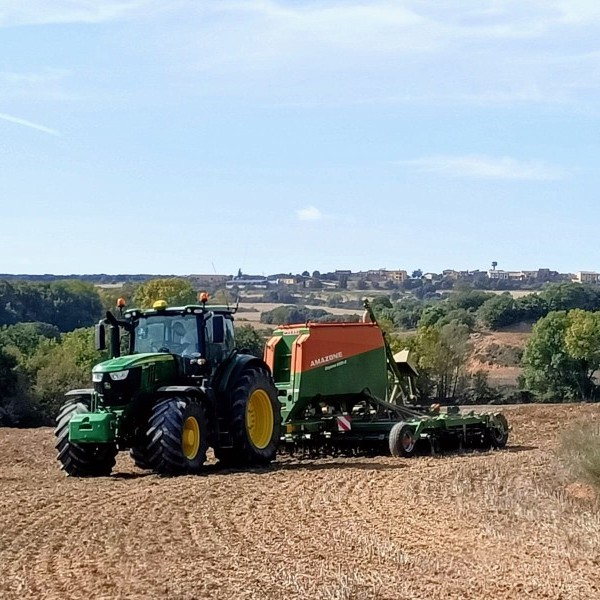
pixel 255 420
pixel 81 460
pixel 402 440
pixel 177 436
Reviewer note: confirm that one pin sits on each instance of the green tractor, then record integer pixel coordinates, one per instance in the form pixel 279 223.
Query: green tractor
pixel 173 386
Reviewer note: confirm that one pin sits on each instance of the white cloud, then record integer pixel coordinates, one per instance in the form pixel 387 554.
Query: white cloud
pixel 41 12
pixel 47 84
pixel 487 167
pixel 355 52
pixel 29 124
pixel 310 213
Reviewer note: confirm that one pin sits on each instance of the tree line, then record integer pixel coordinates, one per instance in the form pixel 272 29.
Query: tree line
pixel 65 304
pixel 46 340
pixel 476 308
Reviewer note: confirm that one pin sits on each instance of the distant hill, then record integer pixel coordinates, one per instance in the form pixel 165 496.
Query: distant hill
pixel 97 278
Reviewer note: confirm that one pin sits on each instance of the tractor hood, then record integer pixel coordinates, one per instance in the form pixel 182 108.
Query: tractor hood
pixel 131 361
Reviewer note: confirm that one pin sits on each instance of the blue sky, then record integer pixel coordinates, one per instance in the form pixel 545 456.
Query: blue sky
pixel 206 135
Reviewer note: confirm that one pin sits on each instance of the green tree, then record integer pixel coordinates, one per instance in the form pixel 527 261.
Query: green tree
pixel 532 307
pixel 67 304
pixel 174 290
pixel 582 338
pixel 459 316
pixel 109 296
pixel 498 311
pixel 566 296
pixel 62 366
pixel 23 339
pixel 480 391
pixel 380 302
pixel 441 355
pixel 8 377
pixel 433 314
pixel 249 339
pixel 561 356
pixel 469 299
pixel 76 304
pixel 8 387
pixel 286 315
pixel 405 314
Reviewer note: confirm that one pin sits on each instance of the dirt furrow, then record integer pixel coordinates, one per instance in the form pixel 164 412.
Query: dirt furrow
pixel 464 526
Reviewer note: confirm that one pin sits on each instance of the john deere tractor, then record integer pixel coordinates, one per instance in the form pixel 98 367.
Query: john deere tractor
pixel 173 386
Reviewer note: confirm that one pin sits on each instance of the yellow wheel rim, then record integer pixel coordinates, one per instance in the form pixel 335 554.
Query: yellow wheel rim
pixel 259 419
pixel 190 438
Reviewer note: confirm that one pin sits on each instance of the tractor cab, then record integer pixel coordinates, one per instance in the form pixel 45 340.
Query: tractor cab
pixel 197 333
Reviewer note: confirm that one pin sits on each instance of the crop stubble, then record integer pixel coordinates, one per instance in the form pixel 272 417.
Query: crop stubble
pixel 478 525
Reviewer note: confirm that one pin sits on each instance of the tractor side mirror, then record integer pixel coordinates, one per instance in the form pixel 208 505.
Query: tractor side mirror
pixel 100 337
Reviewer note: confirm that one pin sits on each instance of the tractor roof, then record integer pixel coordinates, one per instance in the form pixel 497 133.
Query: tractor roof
pixel 178 310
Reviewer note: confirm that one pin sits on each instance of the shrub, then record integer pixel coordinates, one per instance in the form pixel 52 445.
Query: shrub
pixel 249 339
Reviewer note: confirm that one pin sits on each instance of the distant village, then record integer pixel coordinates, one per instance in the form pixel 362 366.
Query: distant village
pixel 394 279
pixel 492 278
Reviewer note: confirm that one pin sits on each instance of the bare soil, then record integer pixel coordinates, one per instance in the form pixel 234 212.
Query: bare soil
pixel 490 344
pixel 503 524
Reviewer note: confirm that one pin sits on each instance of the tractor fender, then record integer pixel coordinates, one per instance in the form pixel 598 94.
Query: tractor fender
pixel 81 395
pixel 202 394
pixel 80 392
pixel 229 371
pixel 179 389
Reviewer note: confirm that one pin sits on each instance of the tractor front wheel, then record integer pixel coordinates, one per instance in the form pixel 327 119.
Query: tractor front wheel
pixel 81 460
pixel 177 436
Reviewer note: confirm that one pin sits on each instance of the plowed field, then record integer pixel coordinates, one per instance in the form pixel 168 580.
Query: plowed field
pixel 508 524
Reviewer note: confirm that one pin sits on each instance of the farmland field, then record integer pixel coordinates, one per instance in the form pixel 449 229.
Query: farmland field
pixel 507 524
pixel 257 308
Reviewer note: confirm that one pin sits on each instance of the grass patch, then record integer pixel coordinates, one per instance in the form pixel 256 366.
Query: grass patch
pixel 580 449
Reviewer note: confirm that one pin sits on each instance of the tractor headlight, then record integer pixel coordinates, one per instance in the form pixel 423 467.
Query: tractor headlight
pixel 119 375
pixel 97 377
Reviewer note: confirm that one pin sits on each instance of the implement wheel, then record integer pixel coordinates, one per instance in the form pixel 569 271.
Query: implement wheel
pixel 255 420
pixel 497 431
pixel 402 440
pixel 81 460
pixel 177 436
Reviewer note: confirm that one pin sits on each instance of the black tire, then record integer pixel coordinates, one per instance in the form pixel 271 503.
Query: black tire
pixel 497 431
pixel 255 439
pixel 81 460
pixel 402 440
pixel 139 455
pixel 172 421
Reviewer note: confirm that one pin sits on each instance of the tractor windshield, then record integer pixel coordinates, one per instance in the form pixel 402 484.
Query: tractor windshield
pixel 167 333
